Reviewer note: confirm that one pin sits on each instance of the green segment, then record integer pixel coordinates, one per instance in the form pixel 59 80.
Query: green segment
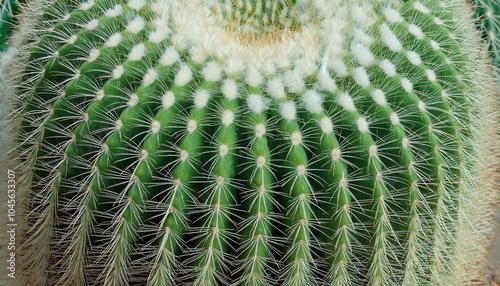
pixel 89 79
pixel 217 198
pixel 488 15
pixel 8 9
pixel 258 206
pixel 298 198
pixel 47 108
pixel 176 195
pixel 340 223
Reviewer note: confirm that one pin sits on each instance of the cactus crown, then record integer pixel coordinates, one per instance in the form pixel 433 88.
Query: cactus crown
pixel 250 142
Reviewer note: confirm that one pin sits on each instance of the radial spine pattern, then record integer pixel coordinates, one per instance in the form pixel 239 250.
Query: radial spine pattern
pixel 251 142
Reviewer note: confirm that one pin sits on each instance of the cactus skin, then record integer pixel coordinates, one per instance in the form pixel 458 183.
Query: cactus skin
pixel 488 15
pixel 7 10
pixel 162 145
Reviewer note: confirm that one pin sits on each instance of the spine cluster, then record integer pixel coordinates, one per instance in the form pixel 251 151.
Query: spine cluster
pixel 160 145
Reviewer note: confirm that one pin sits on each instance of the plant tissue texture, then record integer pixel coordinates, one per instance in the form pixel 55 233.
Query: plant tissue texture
pixel 250 142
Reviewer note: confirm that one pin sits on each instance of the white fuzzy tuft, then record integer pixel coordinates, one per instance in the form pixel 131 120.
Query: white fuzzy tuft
pixel 158 35
pixel 306 68
pixel 137 52
pixel 136 4
pixel 379 97
pixel 269 68
pixel 92 24
pixel 361 77
pixel 118 72
pixel 288 110
pixel 431 75
pixel 339 68
pixel 118 124
pixel 93 55
pixel 388 67
pixel 183 76
pixel 326 125
pixel 444 94
pixel 362 15
pixel 294 81
pixel 301 170
pixel 155 127
pixel 416 31
pixel 435 45
pixel 438 21
pixel 296 138
pixel 87 5
pixel 256 103
pixel 276 88
pixel 223 150
pixel 168 99
pixel 114 40
pixel 191 126
pixel 448 61
pixel 325 81
pixel 99 94
pixel 421 8
pixel 72 39
pixel 261 161
pixel 373 150
pixel 345 100
pixel 313 101
pixel 136 25
pixel 362 54
pixel 254 78
pixel 389 38
pixel 394 118
pixel 227 117
pixel 260 130
pixel 392 16
pixel 361 37
pixel 414 58
pixel 115 11
pixel 362 124
pixel 234 66
pixel 201 98
pixel 229 89
pixel 335 154
pixel 150 77
pixel 159 7
pixel 170 56
pixel 183 156
pixel 421 106
pixel 133 100
pixel 407 85
pixel 211 72
pixel 406 142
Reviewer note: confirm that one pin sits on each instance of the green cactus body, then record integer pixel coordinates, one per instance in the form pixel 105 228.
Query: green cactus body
pixel 251 142
pixel 7 9
pixel 488 15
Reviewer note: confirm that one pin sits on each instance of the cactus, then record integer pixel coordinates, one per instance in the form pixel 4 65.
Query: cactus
pixel 488 15
pixel 251 142
pixel 7 9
